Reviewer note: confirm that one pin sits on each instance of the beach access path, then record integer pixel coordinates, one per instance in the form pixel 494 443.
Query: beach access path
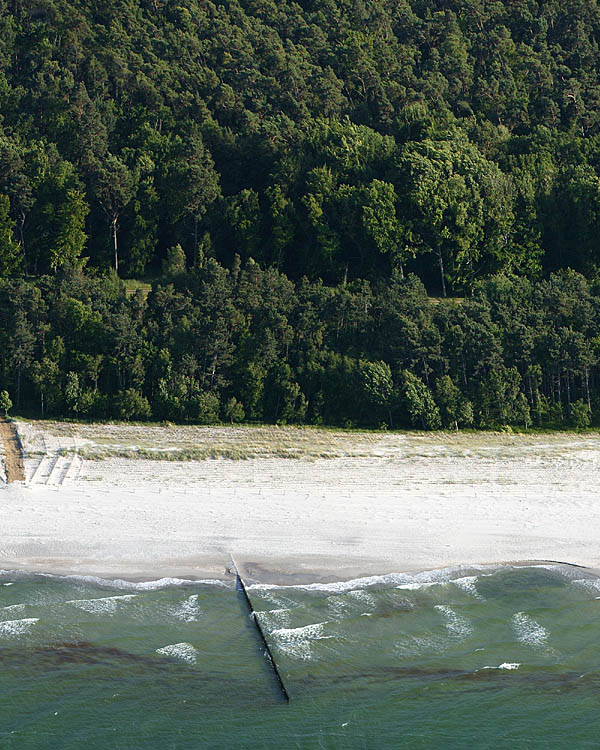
pixel 13 460
pixel 295 505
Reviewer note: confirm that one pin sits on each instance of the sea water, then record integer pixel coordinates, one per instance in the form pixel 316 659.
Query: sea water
pixel 502 657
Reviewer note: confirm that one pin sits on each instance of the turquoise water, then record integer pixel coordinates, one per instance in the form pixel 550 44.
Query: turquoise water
pixel 488 657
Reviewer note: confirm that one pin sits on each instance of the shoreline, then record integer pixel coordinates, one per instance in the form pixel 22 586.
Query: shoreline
pixel 342 507
pixel 265 573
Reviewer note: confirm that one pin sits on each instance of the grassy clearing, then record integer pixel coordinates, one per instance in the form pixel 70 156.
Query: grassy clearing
pixel 195 443
pixel 446 300
pixel 239 443
pixel 136 285
pixel 200 454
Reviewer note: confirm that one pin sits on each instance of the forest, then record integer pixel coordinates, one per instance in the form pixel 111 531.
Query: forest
pixel 379 213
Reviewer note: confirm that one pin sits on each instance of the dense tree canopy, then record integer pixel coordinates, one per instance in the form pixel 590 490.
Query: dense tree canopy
pixel 296 178
pixel 215 344
pixel 337 140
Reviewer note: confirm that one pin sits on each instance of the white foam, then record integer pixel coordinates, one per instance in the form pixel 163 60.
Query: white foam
pixel 338 587
pixel 119 583
pixel 271 617
pixel 416 586
pixel 11 628
pixel 296 642
pixel 456 625
pixel 104 605
pixel 363 596
pixel 468 584
pixel 277 601
pixel 184 651
pixel 509 665
pixel 314 630
pixel 441 575
pixel 274 611
pixel 8 584
pixel 338 606
pixel 418 645
pixel 160 583
pixel 14 608
pixel 528 631
pixel 572 573
pixel 188 611
pixel 565 568
pixel 591 584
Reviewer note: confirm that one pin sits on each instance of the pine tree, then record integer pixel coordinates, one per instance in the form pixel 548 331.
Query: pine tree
pixel 10 251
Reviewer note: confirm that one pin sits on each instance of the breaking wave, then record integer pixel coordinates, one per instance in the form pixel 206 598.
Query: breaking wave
pixel 12 628
pixel 456 625
pixel 189 610
pixel 101 605
pixel 528 631
pixel 296 642
pixel 183 651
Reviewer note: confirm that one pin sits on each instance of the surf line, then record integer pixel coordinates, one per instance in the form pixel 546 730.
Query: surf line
pixel 241 586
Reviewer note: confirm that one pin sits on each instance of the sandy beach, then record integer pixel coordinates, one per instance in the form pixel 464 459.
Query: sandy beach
pixel 291 505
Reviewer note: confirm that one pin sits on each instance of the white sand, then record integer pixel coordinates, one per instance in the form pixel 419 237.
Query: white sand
pixel 395 502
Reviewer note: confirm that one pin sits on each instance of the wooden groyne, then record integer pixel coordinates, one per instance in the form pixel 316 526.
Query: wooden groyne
pixel 13 452
pixel 241 586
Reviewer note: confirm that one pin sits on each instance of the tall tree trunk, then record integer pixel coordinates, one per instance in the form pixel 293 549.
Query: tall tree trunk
pixel 21 225
pixel 586 382
pixel 441 264
pixel 113 227
pixel 213 372
pixel 530 386
pixel 425 371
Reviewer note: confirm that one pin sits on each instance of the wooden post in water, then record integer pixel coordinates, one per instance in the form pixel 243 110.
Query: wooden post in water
pixel 267 650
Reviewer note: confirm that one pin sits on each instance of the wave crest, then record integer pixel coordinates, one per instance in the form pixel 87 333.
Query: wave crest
pixel 12 628
pixel 183 651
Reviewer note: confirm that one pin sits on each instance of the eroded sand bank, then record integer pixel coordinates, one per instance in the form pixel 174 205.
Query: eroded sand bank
pixel 106 501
